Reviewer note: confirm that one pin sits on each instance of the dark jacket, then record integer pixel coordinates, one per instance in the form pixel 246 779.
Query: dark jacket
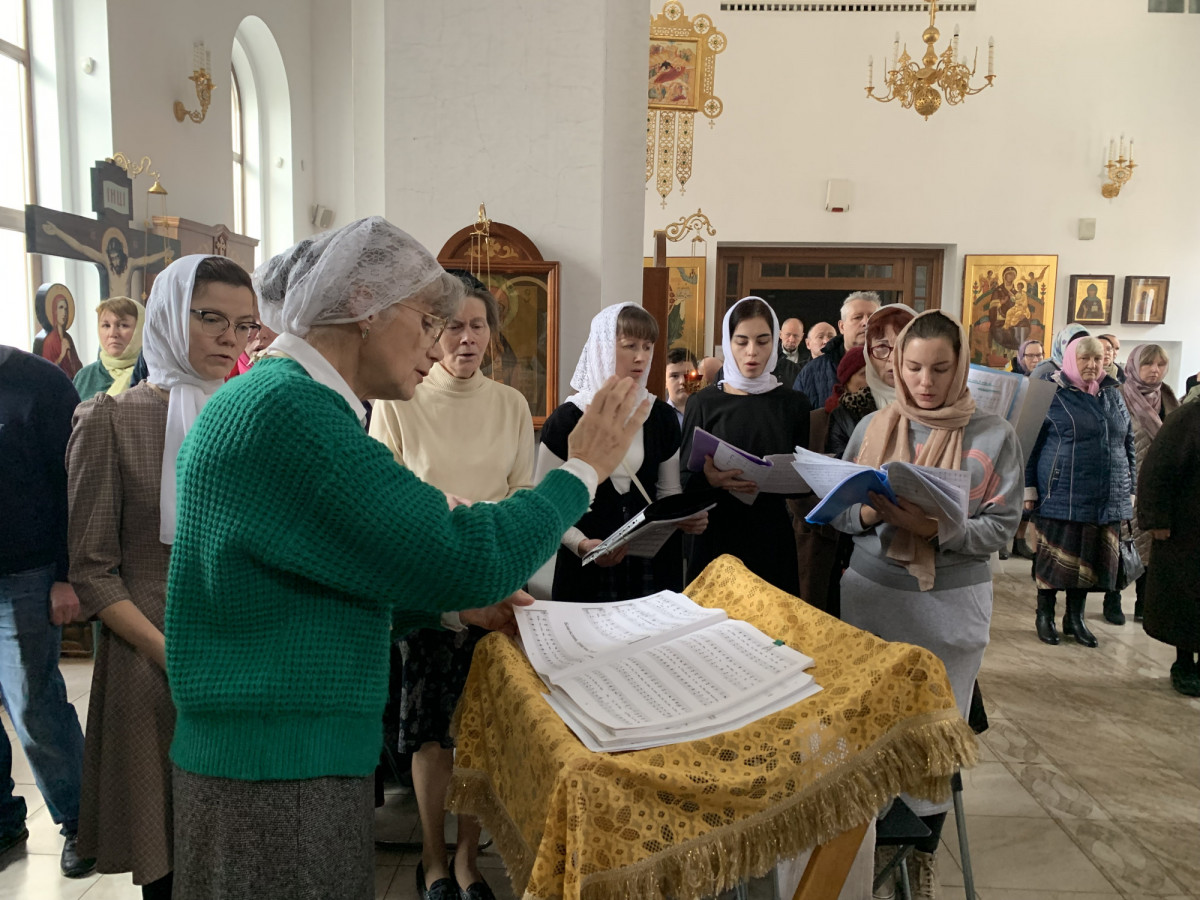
pixel 816 380
pixel 1168 494
pixel 842 423
pixel 786 370
pixel 37 401
pixel 1083 463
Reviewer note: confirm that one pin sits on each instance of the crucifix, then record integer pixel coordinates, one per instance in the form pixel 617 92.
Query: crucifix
pixel 108 241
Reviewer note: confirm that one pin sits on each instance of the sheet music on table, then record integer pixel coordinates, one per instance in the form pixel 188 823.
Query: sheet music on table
pixel 657 669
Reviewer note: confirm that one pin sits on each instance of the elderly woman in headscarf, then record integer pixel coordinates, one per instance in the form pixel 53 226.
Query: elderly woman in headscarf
pixel 1078 483
pixel 914 578
pixel 1149 400
pixel 1046 369
pixel 1029 354
pixel 280 613
pixel 119 322
pixel 621 342
pixel 850 402
pixel 750 409
pixel 122 493
pixel 472 437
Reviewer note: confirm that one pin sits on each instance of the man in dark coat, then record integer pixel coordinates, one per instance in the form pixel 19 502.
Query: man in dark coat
pixel 817 378
pixel 1167 497
pixel 37 401
pixel 793 355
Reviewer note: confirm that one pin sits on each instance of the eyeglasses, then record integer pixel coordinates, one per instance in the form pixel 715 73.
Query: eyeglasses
pixel 1033 356
pixel 215 324
pixel 432 325
pixel 881 350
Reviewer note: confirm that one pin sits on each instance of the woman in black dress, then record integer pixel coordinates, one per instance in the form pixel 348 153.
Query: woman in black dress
pixel 621 342
pixel 750 409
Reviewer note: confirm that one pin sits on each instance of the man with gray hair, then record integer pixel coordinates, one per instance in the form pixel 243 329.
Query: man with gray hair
pixel 817 378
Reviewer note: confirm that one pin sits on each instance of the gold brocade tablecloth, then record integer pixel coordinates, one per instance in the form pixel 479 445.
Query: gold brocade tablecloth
pixel 690 820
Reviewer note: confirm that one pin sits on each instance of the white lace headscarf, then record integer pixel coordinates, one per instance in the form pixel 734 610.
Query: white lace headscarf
pixel 733 376
pixel 347 275
pixel 165 345
pixel 598 361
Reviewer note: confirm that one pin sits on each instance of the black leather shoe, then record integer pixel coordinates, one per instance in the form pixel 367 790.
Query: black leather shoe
pixel 477 890
pixel 1138 609
pixel 1073 623
pixel 1044 622
pixel 1113 613
pixel 1021 549
pixel 442 889
pixel 13 838
pixel 73 865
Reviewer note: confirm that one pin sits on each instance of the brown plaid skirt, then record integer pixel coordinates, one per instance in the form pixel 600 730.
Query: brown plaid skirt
pixel 1077 555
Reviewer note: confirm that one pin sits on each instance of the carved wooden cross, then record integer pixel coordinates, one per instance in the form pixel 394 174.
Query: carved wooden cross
pixel 117 250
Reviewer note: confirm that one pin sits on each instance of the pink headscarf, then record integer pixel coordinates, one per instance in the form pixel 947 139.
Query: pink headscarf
pixel 1070 369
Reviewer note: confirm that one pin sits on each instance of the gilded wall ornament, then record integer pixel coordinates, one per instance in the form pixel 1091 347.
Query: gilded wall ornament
pixel 680 83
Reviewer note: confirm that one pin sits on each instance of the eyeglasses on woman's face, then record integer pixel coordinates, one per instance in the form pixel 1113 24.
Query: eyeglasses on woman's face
pixel 1033 356
pixel 432 326
pixel 215 324
pixel 881 350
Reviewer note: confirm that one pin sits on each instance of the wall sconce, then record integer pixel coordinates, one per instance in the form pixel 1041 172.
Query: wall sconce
pixel 1119 170
pixel 201 69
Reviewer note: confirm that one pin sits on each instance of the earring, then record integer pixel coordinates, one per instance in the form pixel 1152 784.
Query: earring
pixel 365 332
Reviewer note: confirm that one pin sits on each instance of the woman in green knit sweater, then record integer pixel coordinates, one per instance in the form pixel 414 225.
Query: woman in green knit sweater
pixel 279 614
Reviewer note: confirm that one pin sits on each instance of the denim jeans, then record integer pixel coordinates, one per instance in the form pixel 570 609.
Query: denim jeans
pixel 36 699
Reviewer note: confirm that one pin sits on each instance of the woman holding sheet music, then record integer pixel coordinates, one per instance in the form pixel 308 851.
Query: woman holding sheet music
pixel 912 578
pixel 621 342
pixel 750 409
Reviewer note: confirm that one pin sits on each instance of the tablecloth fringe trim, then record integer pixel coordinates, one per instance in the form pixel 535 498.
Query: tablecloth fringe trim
pixel 935 745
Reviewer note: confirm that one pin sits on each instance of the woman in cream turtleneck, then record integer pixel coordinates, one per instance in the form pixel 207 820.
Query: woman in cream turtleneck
pixel 472 438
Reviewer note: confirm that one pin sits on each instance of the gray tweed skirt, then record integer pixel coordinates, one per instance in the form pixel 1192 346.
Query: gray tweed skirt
pixel 299 840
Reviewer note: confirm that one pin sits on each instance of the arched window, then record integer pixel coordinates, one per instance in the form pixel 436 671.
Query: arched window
pixel 239 162
pixel 16 174
pixel 262 138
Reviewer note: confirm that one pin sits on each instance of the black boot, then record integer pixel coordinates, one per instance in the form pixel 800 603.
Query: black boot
pixel 1073 623
pixel 1046 631
pixel 1112 608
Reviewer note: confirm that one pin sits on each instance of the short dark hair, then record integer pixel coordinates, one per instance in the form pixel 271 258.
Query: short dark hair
pixel 750 308
pixel 220 270
pixel 935 324
pixel 680 354
pixel 634 322
pixel 476 288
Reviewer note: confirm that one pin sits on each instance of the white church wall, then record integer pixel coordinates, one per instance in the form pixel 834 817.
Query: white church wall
pixel 151 50
pixel 142 53
pixel 535 109
pixel 1010 170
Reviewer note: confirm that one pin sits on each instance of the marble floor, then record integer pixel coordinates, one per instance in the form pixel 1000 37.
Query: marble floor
pixel 1088 786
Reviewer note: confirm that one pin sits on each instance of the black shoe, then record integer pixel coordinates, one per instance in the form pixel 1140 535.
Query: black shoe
pixel 13 838
pixel 1138 610
pixel 1185 680
pixel 73 865
pixel 1004 554
pixel 1046 631
pixel 476 890
pixel 1073 623
pixel 442 889
pixel 1021 549
pixel 1112 608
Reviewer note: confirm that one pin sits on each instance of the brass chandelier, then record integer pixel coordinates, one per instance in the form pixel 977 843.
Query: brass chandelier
pixel 921 86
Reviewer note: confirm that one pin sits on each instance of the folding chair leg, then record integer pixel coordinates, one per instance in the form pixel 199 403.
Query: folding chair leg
pixel 905 888
pixel 964 849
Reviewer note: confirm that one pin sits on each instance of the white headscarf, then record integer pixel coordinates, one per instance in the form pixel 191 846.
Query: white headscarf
pixel 733 376
pixel 598 361
pixel 344 276
pixel 165 346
